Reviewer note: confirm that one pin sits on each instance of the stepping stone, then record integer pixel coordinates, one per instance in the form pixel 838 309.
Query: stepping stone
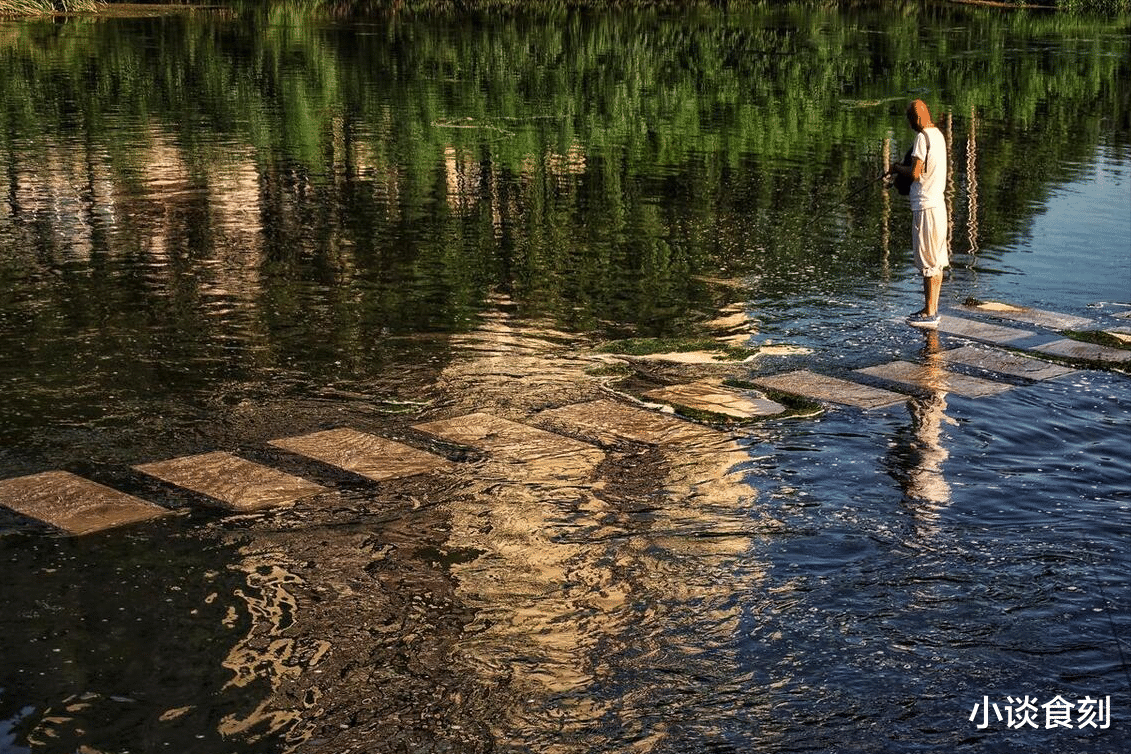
pixel 1039 317
pixel 968 328
pixel 1075 349
pixel 737 319
pixel 934 378
pixel 819 387
pixel 507 439
pixel 607 421
pixel 236 483
pixel 1002 362
pixel 73 504
pixel 712 397
pixel 693 357
pixel 1123 335
pixel 363 454
pixel 1050 320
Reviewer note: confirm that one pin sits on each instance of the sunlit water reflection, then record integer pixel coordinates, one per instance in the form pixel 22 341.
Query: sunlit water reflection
pixel 392 225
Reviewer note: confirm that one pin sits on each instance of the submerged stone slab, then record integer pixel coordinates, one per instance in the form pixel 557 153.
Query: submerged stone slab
pixel 737 318
pixel 1075 349
pixel 236 483
pixel 1122 334
pixel 364 454
pixel 936 379
pixel 1039 317
pixel 693 357
pixel 968 328
pixel 73 504
pixel 819 387
pixel 507 439
pixel 1015 365
pixel 607 421
pixel 712 397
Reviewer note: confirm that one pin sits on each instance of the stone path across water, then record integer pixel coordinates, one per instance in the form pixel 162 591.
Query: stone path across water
pixel 1003 362
pixel 607 421
pixel 832 389
pixel 531 451
pixel 234 482
pixel 1075 349
pixel 505 438
pixel 75 505
pixel 705 396
pixel 363 454
pixel 1039 317
pixel 935 379
pixel 991 359
pixel 969 328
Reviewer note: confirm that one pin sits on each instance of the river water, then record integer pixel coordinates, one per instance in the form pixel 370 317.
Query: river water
pixel 221 228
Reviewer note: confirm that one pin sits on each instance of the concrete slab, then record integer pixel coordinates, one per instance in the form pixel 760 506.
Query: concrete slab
pixel 364 454
pixel 1051 320
pixel 936 379
pixel 715 398
pixel 1123 335
pixel 701 358
pixel 1075 349
pixel 608 421
pixel 1039 317
pixel 507 439
pixel 1015 365
pixel 73 504
pixel 968 328
pixel 819 387
pixel 236 483
pixel 734 320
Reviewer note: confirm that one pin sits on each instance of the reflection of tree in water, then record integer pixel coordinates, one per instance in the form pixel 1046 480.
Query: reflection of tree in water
pixel 352 633
pixel 127 635
pixel 972 186
pixel 269 653
pixel 497 602
pixel 547 601
pixel 604 591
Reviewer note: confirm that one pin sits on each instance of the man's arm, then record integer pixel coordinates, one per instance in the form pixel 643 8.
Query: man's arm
pixel 913 171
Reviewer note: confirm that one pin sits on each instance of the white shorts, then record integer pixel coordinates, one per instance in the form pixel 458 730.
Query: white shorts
pixel 929 241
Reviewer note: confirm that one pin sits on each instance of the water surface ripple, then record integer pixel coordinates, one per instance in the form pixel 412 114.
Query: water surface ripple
pixel 223 228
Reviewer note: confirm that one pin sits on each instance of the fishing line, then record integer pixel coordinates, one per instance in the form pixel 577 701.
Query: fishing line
pixel 1110 619
pixel 824 213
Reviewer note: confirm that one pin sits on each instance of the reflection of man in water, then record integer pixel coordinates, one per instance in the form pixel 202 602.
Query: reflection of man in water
pixel 928 207
pixel 919 461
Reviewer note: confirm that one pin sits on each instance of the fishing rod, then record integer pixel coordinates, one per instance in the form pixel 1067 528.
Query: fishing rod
pixel 849 197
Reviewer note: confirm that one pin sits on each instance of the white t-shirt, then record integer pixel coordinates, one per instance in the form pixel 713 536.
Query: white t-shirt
pixel 928 191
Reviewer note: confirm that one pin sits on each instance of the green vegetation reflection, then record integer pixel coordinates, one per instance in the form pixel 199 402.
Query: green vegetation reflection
pixel 595 168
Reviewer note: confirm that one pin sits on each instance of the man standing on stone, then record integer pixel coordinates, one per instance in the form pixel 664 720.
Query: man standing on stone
pixel 928 207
